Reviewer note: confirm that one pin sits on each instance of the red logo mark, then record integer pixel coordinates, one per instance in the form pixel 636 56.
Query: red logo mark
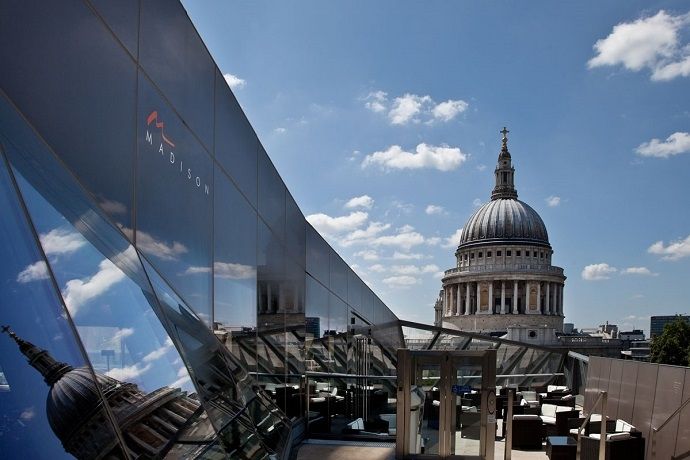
pixel 153 116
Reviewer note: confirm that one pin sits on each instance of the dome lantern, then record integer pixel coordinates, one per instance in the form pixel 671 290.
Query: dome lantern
pixel 504 173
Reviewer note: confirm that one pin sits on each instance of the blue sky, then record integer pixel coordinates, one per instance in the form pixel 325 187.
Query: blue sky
pixel 402 102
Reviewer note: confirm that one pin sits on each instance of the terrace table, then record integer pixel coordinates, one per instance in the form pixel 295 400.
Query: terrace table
pixel 561 448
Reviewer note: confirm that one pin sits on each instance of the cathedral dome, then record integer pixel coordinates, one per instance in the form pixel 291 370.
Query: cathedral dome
pixel 504 220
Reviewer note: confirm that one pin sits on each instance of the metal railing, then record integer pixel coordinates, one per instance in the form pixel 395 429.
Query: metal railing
pixel 656 430
pixel 603 397
pixel 506 268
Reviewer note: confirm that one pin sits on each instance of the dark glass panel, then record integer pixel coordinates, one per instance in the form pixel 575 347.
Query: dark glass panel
pixel 234 270
pixel 174 200
pixel 338 319
pixel 295 228
pixel 294 318
pixel 270 279
pixel 123 18
pixel 31 308
pixel 236 143
pixel 318 253
pixel 368 303
pixel 338 276
pixel 316 325
pixel 271 195
pixel 77 86
pixel 173 55
pixel 354 291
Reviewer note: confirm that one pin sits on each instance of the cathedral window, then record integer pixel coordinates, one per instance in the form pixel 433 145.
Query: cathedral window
pixel 481 254
pixel 498 253
pixel 517 253
pixel 488 253
pixel 509 253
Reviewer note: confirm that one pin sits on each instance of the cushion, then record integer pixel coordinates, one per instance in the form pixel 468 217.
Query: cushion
pixel 623 426
pixel 436 403
pixel 526 417
pixel 551 388
pixel 611 436
pixel 548 420
pixel 567 397
pixel 549 410
pixel 563 408
pixel 529 395
pixel 357 424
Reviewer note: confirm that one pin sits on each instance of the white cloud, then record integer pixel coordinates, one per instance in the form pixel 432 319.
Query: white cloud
pixel 434 209
pixel 413 269
pixel 364 201
pixel 406 238
pixel 128 373
pixel 34 272
pixel 598 272
pixel 448 110
pixel 376 101
pixel 365 235
pixel 405 108
pixel 453 240
pixel 477 202
pixel 675 144
pixel 60 241
pixel 442 158
pixel 481 167
pixel 553 201
pixel 648 43
pixel 161 249
pixel 280 130
pixel 234 81
pixel 433 241
pixel 674 251
pixel 328 225
pixel 378 268
pixel 78 292
pixel 401 281
pixel 638 271
pixel 406 256
pixel 367 254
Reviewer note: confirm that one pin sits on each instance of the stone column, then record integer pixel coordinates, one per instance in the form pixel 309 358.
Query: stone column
pixel 492 301
pixel 515 297
pixel 527 297
pixel 458 300
pixel 445 300
pixel 560 290
pixel 503 297
pixel 548 297
pixel 539 298
pixel 477 306
pixel 467 298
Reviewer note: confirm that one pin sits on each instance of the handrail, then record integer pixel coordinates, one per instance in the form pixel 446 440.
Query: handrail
pixel 603 397
pixel 656 430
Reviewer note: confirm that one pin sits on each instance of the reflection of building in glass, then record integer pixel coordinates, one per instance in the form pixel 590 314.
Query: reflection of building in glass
pixel 151 423
pixel 503 281
pixel 312 326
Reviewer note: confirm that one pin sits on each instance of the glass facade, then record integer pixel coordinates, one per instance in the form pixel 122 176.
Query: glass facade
pixel 162 293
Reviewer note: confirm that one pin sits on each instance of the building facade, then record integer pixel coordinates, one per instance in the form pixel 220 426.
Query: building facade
pixel 150 245
pixel 503 281
pixel 657 323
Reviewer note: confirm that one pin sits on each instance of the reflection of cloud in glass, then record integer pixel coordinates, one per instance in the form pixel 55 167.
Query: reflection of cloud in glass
pixel 34 272
pixel 121 334
pixel 113 207
pixel 128 372
pixel 78 292
pixel 140 368
pixel 159 352
pixel 27 414
pixel 226 270
pixel 160 249
pixel 183 378
pixel 61 241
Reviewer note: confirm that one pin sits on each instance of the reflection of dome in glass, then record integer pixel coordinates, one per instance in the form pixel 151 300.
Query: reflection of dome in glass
pixel 74 398
pixel 504 219
pixel 77 416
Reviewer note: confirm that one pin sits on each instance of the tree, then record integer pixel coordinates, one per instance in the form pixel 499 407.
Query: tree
pixel 673 345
